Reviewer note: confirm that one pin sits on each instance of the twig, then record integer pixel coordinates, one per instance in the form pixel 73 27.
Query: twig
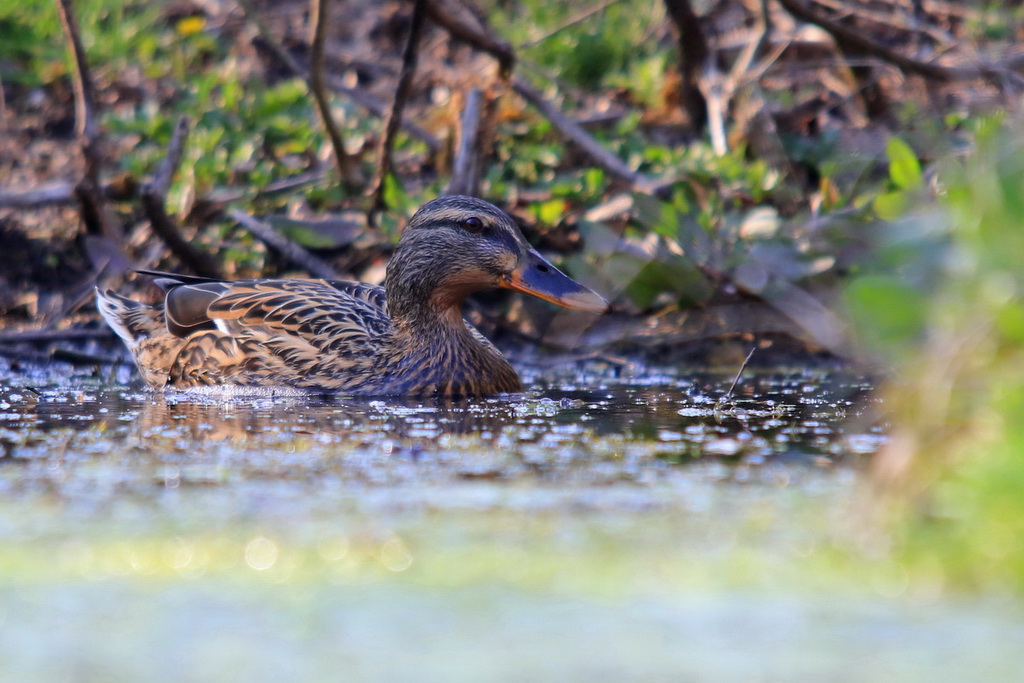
pixel 409 58
pixel 570 22
pixel 575 133
pixel 739 373
pixel 85 91
pixel 364 99
pixel 716 94
pixel 285 247
pixel 154 199
pixel 348 165
pixel 46 195
pixel 465 171
pixel 762 31
pixel 379 107
pixel 95 214
pixel 161 181
pixel 456 18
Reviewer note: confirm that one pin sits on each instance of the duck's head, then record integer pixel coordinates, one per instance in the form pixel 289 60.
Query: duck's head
pixel 456 245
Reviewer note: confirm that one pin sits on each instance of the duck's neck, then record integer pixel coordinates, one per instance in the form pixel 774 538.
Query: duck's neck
pixel 439 353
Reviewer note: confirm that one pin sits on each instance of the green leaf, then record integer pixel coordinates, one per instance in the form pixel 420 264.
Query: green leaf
pixel 886 311
pixel 904 168
pixel 549 212
pixel 890 205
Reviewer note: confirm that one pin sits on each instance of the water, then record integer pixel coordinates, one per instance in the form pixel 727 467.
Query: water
pixel 632 525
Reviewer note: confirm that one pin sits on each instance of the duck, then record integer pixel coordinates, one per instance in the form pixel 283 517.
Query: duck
pixel 294 336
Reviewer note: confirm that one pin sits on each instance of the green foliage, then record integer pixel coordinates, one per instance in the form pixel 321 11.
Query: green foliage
pixel 947 310
pixel 607 48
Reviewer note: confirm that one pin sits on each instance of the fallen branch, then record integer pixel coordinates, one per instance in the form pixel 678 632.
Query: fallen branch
pixel 582 139
pixel 466 169
pixel 154 199
pixel 291 252
pixel 47 335
pixel 78 357
pixel 348 165
pixel 46 195
pixel 848 36
pixel 409 57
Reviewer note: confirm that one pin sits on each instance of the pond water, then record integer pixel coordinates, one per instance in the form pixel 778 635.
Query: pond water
pixel 627 524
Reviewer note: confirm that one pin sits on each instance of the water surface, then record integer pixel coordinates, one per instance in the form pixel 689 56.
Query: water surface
pixel 687 531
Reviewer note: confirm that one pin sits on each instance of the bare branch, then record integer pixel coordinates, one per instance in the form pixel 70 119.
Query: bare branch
pixel 96 216
pixel 154 199
pixel 46 195
pixel 569 23
pixel 848 36
pixel 291 251
pixel 459 20
pixel 409 58
pixel 466 170
pixel 348 164
pixel 161 181
pixel 364 99
pixel 85 91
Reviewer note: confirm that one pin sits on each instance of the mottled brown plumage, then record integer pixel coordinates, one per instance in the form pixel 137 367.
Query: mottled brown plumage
pixel 318 336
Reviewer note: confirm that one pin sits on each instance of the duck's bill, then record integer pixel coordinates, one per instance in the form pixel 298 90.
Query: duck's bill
pixel 536 276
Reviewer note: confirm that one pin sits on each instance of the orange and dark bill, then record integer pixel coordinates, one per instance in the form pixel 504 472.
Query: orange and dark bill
pixel 541 279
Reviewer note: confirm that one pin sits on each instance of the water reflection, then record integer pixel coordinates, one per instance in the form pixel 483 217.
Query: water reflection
pixel 799 417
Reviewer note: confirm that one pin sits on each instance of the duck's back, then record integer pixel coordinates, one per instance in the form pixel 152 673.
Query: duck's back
pixel 306 335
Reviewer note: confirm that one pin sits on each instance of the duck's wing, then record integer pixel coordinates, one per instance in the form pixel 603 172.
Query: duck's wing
pixel 370 294
pixel 306 333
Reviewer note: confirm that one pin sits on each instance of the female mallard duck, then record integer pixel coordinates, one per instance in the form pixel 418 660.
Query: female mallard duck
pixel 319 336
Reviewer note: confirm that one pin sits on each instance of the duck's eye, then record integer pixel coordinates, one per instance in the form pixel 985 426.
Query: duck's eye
pixel 473 224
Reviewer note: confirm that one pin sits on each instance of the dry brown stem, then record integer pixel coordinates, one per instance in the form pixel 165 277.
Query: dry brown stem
pixel 466 169
pixel 154 199
pixel 394 119
pixel 348 164
pixel 573 132
pixel 96 216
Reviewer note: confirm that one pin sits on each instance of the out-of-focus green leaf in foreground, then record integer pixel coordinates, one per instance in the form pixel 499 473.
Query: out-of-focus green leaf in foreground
pixel 947 314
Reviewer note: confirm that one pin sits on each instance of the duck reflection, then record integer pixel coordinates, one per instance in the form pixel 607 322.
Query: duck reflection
pixel 765 416
pixel 350 419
